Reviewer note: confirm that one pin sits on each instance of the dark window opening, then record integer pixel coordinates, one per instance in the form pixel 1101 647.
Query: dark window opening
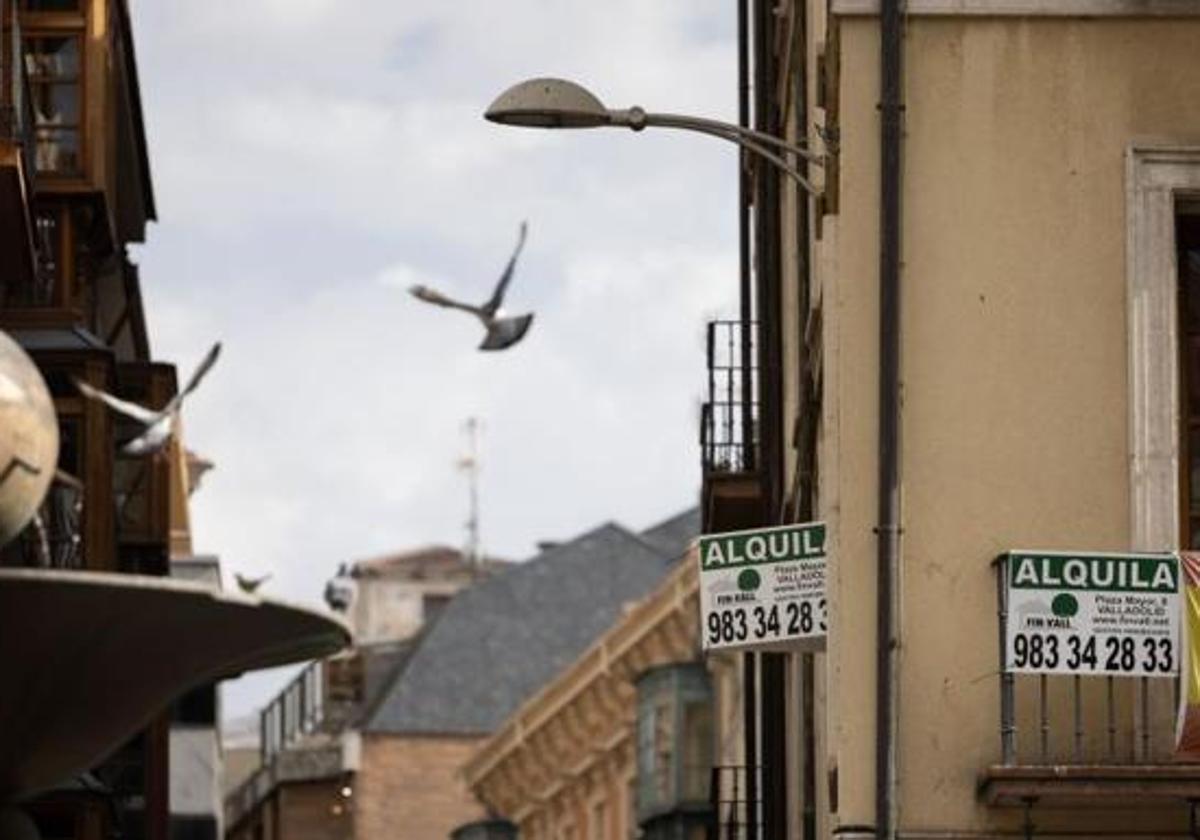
pixel 194 828
pixel 51 5
pixel 198 707
pixel 1188 239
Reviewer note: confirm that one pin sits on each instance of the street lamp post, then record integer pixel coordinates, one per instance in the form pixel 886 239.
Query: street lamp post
pixel 558 103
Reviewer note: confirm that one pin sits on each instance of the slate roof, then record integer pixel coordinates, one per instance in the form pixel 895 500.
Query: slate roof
pixel 503 638
pixel 672 536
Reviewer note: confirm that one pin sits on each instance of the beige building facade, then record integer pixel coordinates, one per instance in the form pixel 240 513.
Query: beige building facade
pixel 1049 163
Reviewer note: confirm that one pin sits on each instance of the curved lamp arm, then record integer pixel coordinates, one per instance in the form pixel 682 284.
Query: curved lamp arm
pixel 747 138
pixel 637 119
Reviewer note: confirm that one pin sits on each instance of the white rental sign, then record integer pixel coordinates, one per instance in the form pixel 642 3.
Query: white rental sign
pixel 762 588
pixel 1111 614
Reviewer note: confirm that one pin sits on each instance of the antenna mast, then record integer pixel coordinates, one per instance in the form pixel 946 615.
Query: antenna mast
pixel 469 464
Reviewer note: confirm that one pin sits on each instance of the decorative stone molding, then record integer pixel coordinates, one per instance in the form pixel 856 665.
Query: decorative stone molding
pixel 1156 177
pixel 578 730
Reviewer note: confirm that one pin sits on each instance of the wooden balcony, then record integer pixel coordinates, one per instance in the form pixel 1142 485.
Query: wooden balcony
pixel 16 159
pixel 732 501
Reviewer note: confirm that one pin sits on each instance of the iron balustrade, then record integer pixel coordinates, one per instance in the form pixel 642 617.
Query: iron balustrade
pixel 298 710
pixel 729 420
pixel 1081 720
pixel 54 539
pixel 732 813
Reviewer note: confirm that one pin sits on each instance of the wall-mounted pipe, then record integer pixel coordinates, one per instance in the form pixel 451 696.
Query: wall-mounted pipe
pixel 888 528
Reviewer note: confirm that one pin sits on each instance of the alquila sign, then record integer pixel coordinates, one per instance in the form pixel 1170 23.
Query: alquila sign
pixel 1113 614
pixel 763 588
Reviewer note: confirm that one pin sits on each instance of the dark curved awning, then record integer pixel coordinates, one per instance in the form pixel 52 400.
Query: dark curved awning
pixel 87 659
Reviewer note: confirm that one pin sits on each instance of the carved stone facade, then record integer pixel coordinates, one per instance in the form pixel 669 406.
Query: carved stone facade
pixel 564 764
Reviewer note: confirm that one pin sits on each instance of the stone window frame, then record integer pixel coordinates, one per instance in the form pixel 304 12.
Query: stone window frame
pixel 1156 177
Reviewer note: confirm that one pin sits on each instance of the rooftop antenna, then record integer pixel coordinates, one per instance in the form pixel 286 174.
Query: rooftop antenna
pixel 469 464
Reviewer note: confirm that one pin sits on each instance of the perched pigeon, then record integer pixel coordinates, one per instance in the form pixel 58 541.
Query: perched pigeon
pixel 249 585
pixel 503 331
pixel 159 424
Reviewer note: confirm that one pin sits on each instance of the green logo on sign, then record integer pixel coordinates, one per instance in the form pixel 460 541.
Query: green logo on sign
pixel 1064 605
pixel 749 580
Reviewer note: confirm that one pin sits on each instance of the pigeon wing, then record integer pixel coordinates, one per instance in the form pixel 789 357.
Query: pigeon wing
pixel 438 299
pixel 129 409
pixel 493 305
pixel 203 368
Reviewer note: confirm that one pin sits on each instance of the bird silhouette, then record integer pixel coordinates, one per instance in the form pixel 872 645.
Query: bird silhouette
pixel 503 331
pixel 158 425
pixel 249 585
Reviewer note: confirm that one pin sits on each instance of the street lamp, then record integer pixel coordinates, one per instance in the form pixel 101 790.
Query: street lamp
pixel 558 103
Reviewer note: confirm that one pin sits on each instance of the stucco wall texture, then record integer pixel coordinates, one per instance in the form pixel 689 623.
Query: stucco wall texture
pixel 1015 385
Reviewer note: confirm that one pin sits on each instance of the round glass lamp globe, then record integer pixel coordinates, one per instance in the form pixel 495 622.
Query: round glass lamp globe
pixel 16 825
pixel 28 439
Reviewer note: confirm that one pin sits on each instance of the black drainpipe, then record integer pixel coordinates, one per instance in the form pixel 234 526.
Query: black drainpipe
pixel 746 294
pixel 749 433
pixel 888 530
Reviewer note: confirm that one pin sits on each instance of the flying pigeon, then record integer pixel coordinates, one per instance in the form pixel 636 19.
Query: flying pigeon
pixel 249 585
pixel 158 424
pixel 503 331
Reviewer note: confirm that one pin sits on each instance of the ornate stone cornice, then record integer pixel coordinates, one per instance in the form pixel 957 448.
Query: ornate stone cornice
pixel 579 727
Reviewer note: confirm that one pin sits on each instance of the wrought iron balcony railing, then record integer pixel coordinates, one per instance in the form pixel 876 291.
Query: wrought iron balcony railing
pixel 1084 721
pixel 732 815
pixel 54 540
pixel 296 711
pixel 729 419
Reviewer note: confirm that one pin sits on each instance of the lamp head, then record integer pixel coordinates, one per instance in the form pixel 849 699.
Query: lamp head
pixel 549 103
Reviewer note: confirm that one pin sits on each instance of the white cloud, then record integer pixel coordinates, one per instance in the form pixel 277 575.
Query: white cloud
pixel 311 163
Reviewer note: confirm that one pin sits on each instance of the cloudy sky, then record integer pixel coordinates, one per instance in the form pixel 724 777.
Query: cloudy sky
pixel 313 158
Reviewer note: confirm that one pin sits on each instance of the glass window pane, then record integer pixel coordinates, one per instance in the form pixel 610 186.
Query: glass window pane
pixel 58 150
pixel 697 749
pixel 56 104
pixel 58 57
